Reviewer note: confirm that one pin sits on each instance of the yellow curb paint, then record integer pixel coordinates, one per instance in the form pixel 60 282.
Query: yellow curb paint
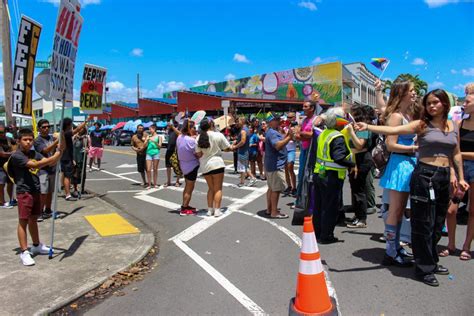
pixel 111 224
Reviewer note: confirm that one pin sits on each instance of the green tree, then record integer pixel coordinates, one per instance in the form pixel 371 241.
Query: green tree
pixel 421 86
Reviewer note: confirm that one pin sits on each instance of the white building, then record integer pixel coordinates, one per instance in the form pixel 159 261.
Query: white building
pixel 364 92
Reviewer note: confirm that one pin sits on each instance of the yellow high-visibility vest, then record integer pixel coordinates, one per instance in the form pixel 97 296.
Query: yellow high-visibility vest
pixel 324 160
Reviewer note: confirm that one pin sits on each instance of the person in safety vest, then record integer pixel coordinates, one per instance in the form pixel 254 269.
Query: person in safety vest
pixel 333 159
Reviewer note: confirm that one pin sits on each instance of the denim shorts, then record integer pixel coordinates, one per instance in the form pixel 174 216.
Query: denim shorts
pixel 291 156
pixel 153 157
pixel 469 171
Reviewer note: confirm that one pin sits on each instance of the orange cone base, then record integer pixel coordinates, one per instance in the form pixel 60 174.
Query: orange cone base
pixel 331 312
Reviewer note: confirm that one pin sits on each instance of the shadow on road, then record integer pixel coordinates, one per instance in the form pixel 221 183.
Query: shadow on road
pixel 73 247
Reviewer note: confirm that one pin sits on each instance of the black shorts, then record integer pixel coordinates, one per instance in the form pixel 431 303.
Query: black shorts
pixel 67 168
pixel 253 156
pixel 192 176
pixel 215 171
pixel 141 163
pixel 169 153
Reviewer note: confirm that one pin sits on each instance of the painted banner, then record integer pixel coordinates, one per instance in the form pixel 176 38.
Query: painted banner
pixel 65 44
pixel 92 89
pixel 24 66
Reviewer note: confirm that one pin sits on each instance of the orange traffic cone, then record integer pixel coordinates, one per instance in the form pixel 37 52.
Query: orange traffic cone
pixel 312 296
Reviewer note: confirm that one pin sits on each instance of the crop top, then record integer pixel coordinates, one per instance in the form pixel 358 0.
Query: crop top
pixel 408 139
pixel 466 139
pixel 435 143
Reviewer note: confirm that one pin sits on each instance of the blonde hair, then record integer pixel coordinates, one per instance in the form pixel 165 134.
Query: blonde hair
pixel 469 88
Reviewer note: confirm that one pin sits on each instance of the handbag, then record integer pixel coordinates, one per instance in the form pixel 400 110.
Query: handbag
pixel 380 154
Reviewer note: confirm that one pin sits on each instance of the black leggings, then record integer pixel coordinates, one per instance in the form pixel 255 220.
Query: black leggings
pixel 358 183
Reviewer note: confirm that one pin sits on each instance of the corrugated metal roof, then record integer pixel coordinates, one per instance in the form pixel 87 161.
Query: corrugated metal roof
pixel 127 104
pixel 163 100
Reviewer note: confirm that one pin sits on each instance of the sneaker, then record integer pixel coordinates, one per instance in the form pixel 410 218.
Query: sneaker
pixel 239 185
pixel 293 193
pixel 7 205
pixel 183 212
pixel 217 212
pixel 75 194
pixel 371 211
pixel 70 198
pixel 396 261
pixel 287 191
pixel 14 202
pixel 357 224
pixel 26 259
pixel 90 170
pixel 252 182
pixel 40 249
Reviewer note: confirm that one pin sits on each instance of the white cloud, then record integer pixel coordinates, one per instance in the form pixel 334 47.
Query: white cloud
pixel 436 85
pixel 459 86
pixel 308 5
pixel 119 92
pixel 84 3
pixel 419 62
pixel 137 52
pixel 241 58
pixel 468 72
pixel 319 60
pixel 454 71
pixel 229 77
pixel 200 83
pixel 440 3
pixel 115 86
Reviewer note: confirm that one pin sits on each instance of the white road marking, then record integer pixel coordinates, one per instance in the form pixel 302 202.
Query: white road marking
pixel 157 201
pixel 126 165
pixel 227 185
pixel 119 176
pixel 104 179
pixel 125 191
pixel 200 193
pixel 243 299
pixel 127 173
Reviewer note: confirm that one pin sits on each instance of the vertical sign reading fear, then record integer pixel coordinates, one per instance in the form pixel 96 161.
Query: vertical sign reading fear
pixel 65 44
pixel 92 89
pixel 24 66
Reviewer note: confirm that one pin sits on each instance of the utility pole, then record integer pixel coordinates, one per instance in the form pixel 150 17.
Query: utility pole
pixel 7 61
pixel 138 87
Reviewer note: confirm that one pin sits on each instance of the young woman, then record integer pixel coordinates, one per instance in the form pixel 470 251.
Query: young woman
pixel 153 144
pixel 209 150
pixel 189 163
pixel 399 111
pixel 438 153
pixel 466 133
pixel 261 149
pixel 359 144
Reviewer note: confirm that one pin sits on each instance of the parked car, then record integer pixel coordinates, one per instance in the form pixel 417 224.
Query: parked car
pixel 164 134
pixel 121 137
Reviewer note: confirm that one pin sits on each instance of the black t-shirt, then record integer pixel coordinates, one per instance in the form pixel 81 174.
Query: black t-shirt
pixel 40 144
pixel 5 146
pixel 96 138
pixel 68 153
pixel 172 137
pixel 27 180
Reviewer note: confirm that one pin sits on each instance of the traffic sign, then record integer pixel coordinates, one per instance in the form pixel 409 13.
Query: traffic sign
pixel 43 64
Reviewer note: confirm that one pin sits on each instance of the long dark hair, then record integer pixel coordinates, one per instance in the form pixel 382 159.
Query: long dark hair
pixel 203 137
pixel 187 126
pixel 444 98
pixel 361 114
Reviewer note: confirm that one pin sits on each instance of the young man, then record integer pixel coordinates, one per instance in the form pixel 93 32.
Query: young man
pixel 67 159
pixel 24 166
pixel 96 149
pixel 275 161
pixel 138 145
pixel 242 146
pixel 45 144
pixel 6 150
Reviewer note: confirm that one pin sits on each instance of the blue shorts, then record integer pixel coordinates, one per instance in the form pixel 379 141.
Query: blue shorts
pixel 153 157
pixel 291 156
pixel 469 171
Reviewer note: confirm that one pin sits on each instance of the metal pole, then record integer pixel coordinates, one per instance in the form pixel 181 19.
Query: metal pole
pixel 54 116
pixel 84 166
pixel 7 62
pixel 56 180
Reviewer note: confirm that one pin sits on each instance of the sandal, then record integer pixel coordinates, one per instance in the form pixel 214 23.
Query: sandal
pixel 447 252
pixel 167 184
pixel 177 184
pixel 280 216
pixel 465 255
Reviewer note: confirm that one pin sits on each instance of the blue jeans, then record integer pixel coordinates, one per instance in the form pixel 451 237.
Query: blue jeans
pixel 301 170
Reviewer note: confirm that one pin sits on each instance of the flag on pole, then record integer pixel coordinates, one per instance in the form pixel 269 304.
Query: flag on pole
pixel 380 63
pixel 269 116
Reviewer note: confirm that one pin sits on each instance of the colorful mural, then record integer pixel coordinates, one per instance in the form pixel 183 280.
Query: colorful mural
pixel 295 84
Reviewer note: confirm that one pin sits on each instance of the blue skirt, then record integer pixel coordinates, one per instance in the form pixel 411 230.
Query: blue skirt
pixel 397 174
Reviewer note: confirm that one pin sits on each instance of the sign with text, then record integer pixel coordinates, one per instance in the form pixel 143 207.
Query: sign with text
pixel 24 66
pixel 65 44
pixel 92 89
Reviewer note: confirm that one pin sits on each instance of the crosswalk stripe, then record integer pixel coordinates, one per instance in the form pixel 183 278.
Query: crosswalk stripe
pixel 225 184
pixel 195 192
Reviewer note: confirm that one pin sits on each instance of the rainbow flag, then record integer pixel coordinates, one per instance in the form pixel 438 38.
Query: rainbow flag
pixel 380 63
pixel 269 116
pixel 341 121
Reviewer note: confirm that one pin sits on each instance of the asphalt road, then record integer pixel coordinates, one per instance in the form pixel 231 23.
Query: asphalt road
pixel 243 263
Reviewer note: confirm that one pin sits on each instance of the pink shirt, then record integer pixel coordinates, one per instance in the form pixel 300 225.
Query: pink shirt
pixel 307 126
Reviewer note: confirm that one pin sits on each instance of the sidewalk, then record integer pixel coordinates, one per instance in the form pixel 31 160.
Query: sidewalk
pixel 82 260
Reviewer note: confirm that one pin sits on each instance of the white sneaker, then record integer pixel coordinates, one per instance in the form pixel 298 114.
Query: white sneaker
pixel 210 211
pixel 7 205
pixel 26 259
pixel 40 250
pixel 217 212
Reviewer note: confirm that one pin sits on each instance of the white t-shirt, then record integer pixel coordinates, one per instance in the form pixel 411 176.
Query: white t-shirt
pixel 212 156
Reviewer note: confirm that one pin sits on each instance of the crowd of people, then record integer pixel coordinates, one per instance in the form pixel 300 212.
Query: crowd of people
pixel 427 175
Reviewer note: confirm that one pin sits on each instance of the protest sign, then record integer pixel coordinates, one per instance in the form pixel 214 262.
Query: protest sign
pixel 24 66
pixel 92 89
pixel 65 44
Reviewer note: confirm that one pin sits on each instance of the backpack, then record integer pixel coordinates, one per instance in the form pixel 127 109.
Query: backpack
pixel 380 154
pixel 5 167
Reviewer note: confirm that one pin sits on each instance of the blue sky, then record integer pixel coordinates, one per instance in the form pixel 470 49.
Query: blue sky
pixel 175 44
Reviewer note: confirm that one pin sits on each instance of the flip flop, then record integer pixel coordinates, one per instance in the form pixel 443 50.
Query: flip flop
pixel 465 255
pixel 177 184
pixel 447 252
pixel 280 216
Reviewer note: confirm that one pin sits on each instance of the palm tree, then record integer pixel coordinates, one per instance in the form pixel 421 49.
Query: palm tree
pixel 421 86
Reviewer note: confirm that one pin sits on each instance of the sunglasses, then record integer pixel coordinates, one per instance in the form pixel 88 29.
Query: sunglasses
pixel 45 126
